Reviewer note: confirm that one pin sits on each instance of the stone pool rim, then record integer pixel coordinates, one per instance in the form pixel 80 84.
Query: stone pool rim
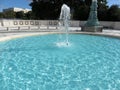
pixel 28 34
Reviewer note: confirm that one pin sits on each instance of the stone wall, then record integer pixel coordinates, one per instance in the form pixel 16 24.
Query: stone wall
pixel 54 23
pixel 9 23
pixel 111 25
pixel 117 25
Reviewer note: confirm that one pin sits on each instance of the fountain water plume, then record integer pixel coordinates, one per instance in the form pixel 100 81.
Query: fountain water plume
pixel 64 22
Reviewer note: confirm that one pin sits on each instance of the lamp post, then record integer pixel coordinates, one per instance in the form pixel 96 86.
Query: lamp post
pixel 92 24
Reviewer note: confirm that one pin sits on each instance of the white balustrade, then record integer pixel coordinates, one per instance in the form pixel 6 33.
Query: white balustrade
pixel 46 25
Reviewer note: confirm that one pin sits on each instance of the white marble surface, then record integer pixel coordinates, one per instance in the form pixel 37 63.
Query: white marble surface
pixel 12 35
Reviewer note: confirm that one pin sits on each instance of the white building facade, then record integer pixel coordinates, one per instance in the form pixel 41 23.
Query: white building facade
pixel 15 9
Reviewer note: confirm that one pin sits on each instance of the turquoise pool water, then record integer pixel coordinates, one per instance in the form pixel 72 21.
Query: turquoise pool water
pixel 37 63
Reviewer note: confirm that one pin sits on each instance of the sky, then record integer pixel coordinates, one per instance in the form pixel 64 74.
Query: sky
pixel 111 2
pixel 14 3
pixel 25 3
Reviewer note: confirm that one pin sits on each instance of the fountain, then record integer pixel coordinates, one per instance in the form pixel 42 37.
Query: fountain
pixel 33 63
pixel 93 25
pixel 64 24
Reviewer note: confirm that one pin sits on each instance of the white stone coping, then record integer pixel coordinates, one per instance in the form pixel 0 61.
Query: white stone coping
pixel 13 35
pixel 9 36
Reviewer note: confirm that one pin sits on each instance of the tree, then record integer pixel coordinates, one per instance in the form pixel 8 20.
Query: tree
pixel 45 10
pixel 1 15
pixel 102 11
pixel 20 15
pixel 81 13
pixel 9 14
pixel 29 15
pixel 114 13
pixel 50 9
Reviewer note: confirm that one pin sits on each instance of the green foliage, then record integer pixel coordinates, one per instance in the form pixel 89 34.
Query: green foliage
pixel 1 15
pixel 16 15
pixel 81 13
pixel 20 15
pixel 50 9
pixel 9 14
pixel 29 15
pixel 102 11
pixel 114 13
pixel 45 10
pixel 79 9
